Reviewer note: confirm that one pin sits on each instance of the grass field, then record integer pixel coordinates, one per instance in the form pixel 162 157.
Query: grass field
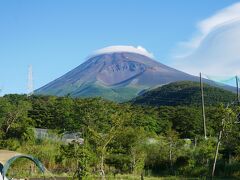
pixel 132 177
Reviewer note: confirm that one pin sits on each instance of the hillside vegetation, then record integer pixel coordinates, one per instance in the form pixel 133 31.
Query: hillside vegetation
pixel 120 138
pixel 184 93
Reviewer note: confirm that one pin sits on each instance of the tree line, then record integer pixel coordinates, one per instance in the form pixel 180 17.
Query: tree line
pixel 121 138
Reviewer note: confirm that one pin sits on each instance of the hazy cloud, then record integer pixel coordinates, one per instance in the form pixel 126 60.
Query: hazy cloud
pixel 216 47
pixel 111 49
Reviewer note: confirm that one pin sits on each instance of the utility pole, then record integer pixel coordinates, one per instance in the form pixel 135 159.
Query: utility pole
pixel 30 81
pixel 237 85
pixel 203 108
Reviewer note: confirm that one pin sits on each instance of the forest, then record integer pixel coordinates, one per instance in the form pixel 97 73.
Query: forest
pixel 122 138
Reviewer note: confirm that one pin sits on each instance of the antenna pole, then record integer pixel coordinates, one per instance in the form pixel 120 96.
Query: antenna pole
pixel 30 81
pixel 203 108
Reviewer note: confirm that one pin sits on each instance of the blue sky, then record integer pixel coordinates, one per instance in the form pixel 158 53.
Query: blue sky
pixel 55 36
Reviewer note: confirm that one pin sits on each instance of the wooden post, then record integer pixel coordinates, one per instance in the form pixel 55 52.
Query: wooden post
pixel 217 148
pixel 203 108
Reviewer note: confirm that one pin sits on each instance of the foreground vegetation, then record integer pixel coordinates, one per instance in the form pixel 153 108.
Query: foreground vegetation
pixel 121 138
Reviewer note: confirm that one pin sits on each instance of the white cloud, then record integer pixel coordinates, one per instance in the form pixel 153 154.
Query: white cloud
pixel 216 47
pixel 222 17
pixel 111 49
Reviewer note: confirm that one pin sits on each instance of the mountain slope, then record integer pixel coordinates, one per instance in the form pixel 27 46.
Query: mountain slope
pixel 116 75
pixel 184 93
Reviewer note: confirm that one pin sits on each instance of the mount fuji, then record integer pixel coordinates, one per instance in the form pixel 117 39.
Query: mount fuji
pixel 117 73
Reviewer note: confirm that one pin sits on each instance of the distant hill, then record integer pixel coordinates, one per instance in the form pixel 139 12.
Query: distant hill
pixel 184 93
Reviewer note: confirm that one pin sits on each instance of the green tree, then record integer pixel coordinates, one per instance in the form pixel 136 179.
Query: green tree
pixel 81 155
pixel 102 139
pixel 14 117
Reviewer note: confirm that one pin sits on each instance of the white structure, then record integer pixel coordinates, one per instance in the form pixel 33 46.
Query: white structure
pixel 30 81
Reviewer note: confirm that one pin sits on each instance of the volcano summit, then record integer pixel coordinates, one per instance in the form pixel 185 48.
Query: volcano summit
pixel 117 73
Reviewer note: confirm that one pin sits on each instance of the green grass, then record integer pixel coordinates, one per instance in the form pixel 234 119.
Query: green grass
pixel 127 177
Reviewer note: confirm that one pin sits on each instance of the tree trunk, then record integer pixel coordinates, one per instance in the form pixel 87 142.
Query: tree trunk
pixel 133 161
pixel 170 156
pixel 216 153
pixel 102 167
